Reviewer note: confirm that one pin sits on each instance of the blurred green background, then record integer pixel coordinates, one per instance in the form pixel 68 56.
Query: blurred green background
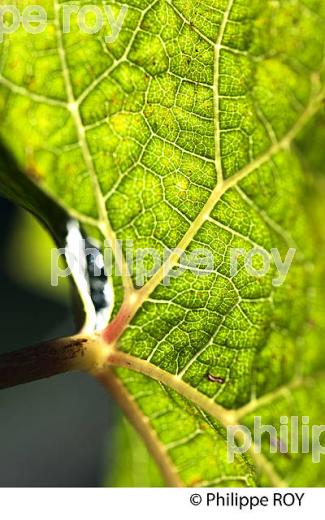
pixel 54 432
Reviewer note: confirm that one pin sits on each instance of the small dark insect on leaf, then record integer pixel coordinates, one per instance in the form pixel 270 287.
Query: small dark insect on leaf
pixel 216 379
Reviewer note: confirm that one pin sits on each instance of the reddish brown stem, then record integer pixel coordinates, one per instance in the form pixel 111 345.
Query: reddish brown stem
pixel 47 359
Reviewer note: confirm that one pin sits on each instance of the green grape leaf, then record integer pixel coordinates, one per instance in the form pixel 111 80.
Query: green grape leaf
pixel 187 133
